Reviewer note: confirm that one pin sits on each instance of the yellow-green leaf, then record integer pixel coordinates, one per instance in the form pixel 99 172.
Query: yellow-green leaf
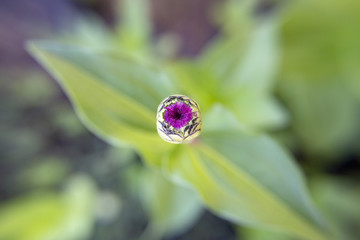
pixel 115 96
pixel 246 178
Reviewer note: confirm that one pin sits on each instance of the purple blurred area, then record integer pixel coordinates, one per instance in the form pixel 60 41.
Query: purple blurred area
pixel 190 19
pixel 22 19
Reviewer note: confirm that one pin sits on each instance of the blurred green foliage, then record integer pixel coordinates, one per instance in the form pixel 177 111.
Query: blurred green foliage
pixel 116 78
pixel 46 215
pixel 319 78
pixel 115 94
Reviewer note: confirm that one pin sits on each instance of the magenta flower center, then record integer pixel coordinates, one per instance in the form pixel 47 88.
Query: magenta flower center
pixel 178 115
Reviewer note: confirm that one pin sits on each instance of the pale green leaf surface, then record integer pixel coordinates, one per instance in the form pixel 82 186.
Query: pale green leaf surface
pixel 196 82
pixel 258 110
pixel 222 55
pixel 247 57
pixel 259 234
pixel 353 78
pixel 247 179
pixel 339 199
pixel 324 114
pixel 271 166
pixel 172 208
pixel 243 68
pixel 249 81
pixel 258 65
pixel 89 31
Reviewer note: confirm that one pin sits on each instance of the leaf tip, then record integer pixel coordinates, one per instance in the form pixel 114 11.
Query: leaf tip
pixel 32 47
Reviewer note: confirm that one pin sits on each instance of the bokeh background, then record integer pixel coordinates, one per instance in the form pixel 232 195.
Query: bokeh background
pixel 58 181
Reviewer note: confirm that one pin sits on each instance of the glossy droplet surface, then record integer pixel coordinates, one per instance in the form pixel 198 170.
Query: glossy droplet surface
pixel 178 119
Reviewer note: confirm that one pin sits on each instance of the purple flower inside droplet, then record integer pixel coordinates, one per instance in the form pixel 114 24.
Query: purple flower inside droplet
pixel 178 115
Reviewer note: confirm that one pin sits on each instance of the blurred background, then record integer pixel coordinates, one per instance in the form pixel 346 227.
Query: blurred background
pixel 58 181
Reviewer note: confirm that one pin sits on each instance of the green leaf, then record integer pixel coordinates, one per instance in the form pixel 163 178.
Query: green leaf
pixel 249 61
pixel 235 17
pixel 258 110
pixel 172 208
pixel 134 29
pixel 47 215
pixel 246 178
pixel 339 199
pixel 35 215
pixel 253 107
pixel 90 31
pixel 249 77
pixel 196 82
pixel 246 54
pixel 325 115
pixel 243 66
pixel 257 234
pixel 115 96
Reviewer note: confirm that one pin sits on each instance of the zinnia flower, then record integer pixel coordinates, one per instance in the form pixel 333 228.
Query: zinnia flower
pixel 178 115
